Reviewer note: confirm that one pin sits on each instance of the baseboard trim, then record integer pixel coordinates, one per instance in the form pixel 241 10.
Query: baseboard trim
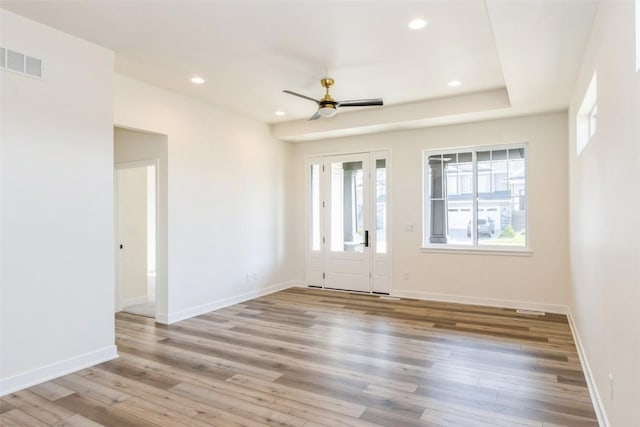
pixel 598 406
pixel 162 318
pixel 216 305
pixel 134 301
pixel 488 302
pixel 55 370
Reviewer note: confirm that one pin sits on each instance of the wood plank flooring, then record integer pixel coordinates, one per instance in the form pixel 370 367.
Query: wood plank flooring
pixel 310 357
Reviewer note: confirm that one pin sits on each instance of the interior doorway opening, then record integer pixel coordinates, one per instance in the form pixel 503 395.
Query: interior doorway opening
pixel 141 223
pixel 136 225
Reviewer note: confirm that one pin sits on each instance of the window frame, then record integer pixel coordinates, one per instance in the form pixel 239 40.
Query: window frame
pixel 474 247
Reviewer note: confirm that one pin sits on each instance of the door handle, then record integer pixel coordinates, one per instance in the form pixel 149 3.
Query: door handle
pixel 366 238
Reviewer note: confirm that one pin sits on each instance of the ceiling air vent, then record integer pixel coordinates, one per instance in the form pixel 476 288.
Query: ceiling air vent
pixel 17 62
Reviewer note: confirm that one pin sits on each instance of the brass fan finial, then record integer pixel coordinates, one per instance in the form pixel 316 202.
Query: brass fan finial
pixel 327 83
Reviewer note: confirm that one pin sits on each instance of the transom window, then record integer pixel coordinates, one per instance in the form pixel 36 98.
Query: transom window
pixel 475 197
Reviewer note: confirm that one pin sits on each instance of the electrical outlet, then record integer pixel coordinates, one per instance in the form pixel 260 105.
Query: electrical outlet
pixel 255 276
pixel 248 277
pixel 406 275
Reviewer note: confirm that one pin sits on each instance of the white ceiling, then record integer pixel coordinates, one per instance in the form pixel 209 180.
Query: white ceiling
pixel 249 51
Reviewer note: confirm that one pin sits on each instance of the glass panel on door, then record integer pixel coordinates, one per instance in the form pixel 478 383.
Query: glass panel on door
pixel 315 207
pixel 347 199
pixel 381 206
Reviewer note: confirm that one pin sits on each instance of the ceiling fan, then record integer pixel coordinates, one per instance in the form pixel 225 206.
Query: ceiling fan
pixel 328 107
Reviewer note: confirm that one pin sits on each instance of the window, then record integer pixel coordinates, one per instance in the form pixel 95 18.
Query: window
pixel 315 207
pixel 489 210
pixel 587 118
pixel 637 35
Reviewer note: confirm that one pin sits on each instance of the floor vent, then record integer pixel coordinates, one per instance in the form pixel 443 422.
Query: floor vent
pixel 17 62
pixel 531 312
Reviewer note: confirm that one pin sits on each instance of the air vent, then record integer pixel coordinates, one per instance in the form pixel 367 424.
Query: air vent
pixel 33 67
pixel 17 62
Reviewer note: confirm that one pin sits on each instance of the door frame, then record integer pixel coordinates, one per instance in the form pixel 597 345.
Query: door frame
pixel 131 165
pixel 317 257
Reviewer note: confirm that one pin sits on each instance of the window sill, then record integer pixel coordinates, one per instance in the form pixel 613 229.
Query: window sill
pixel 477 250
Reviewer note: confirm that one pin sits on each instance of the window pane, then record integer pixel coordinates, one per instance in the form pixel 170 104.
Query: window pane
pixel 347 231
pixel 459 221
pixel 464 157
pixel 460 203
pixel 437 206
pixel 484 173
pixel 516 153
pixel 381 206
pixel 315 207
pixel 466 180
pixel 507 207
pixel 499 155
pixel 452 183
pixel 435 176
pixel 499 176
pixel 484 156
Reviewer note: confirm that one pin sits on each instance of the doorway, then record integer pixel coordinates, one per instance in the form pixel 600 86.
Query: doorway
pixel 137 148
pixel 349 228
pixel 136 223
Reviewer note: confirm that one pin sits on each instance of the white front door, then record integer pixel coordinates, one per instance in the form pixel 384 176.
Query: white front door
pixel 347 222
pixel 348 245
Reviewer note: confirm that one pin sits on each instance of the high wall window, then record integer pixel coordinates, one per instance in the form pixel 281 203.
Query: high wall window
pixel 637 35
pixel 587 118
pixel 475 197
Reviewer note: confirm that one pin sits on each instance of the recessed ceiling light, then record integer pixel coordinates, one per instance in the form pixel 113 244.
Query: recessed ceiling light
pixel 197 80
pixel 279 113
pixel 417 24
pixel 454 83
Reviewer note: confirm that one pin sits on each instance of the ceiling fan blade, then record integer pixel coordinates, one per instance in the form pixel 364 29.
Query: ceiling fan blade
pixel 316 116
pixel 361 102
pixel 301 96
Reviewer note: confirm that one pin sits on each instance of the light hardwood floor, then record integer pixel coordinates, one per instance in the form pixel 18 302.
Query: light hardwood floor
pixel 310 357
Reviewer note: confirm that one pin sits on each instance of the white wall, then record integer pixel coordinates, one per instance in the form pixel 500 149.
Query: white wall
pixel 131 146
pixel 226 197
pixel 605 207
pixel 505 280
pixel 57 263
